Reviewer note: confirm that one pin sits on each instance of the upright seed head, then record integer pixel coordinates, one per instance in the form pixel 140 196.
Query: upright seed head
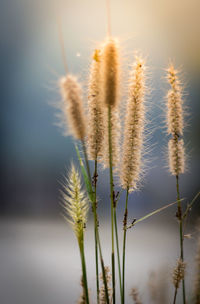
pixel 72 106
pixel 110 72
pixel 174 103
pixel 75 203
pixel 178 273
pixel 110 88
pixel 134 127
pixel 176 156
pixel 96 112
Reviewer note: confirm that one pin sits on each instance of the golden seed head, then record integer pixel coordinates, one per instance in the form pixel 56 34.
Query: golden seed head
pixel 134 128
pixel 115 137
pixel 110 72
pixel 72 106
pixel 174 103
pixel 178 273
pixel 75 203
pixel 135 296
pixel 176 156
pixel 96 128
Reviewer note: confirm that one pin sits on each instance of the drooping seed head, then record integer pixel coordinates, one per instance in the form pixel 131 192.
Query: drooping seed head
pixel 96 114
pixel 72 106
pixel 134 128
pixel 176 156
pixel 178 273
pixel 110 72
pixel 75 203
pixel 174 103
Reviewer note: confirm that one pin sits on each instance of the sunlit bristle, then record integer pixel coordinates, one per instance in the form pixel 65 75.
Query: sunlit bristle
pixel 134 128
pixel 96 128
pixel 178 273
pixel 72 106
pixel 115 137
pixel 176 156
pixel 110 72
pixel 75 203
pixel 174 103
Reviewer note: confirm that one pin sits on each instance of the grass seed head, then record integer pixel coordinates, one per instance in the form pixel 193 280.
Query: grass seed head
pixel 72 106
pixel 176 155
pixel 96 115
pixel 75 203
pixel 134 127
pixel 178 273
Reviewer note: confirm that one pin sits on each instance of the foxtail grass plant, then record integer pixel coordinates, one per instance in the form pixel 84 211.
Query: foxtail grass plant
pixel 76 205
pixel 99 135
pixel 110 79
pixel 133 143
pixel 176 152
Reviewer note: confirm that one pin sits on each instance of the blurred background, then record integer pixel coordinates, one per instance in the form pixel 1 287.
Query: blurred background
pixel 38 252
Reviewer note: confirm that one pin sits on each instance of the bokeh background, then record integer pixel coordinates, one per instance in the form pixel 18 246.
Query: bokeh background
pixel 38 252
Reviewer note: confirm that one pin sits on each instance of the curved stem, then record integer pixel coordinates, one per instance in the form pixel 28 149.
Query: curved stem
pixel 179 215
pixel 111 199
pixel 124 246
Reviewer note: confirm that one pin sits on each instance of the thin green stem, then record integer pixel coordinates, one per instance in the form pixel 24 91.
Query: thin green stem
pixel 111 199
pixel 118 253
pixel 96 233
pixel 82 254
pixel 103 269
pixel 96 228
pixel 179 215
pixel 124 246
pixel 175 294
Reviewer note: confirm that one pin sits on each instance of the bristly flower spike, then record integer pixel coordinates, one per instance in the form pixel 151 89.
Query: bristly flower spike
pixel 96 116
pixel 72 106
pixel 175 123
pixel 134 127
pixel 75 203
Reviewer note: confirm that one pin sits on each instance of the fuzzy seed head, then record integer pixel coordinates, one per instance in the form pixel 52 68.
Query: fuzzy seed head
pixel 178 273
pixel 96 114
pixel 176 156
pixel 134 128
pixel 174 103
pixel 75 203
pixel 72 106
pixel 135 296
pixel 102 293
pixel 115 137
pixel 110 72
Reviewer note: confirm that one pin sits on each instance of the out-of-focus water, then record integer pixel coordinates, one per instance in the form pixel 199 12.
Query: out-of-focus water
pixel 40 260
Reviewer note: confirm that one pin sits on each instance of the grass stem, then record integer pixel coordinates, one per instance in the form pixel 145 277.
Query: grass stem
pixel 179 215
pixel 118 253
pixel 82 254
pixel 111 199
pixel 124 246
